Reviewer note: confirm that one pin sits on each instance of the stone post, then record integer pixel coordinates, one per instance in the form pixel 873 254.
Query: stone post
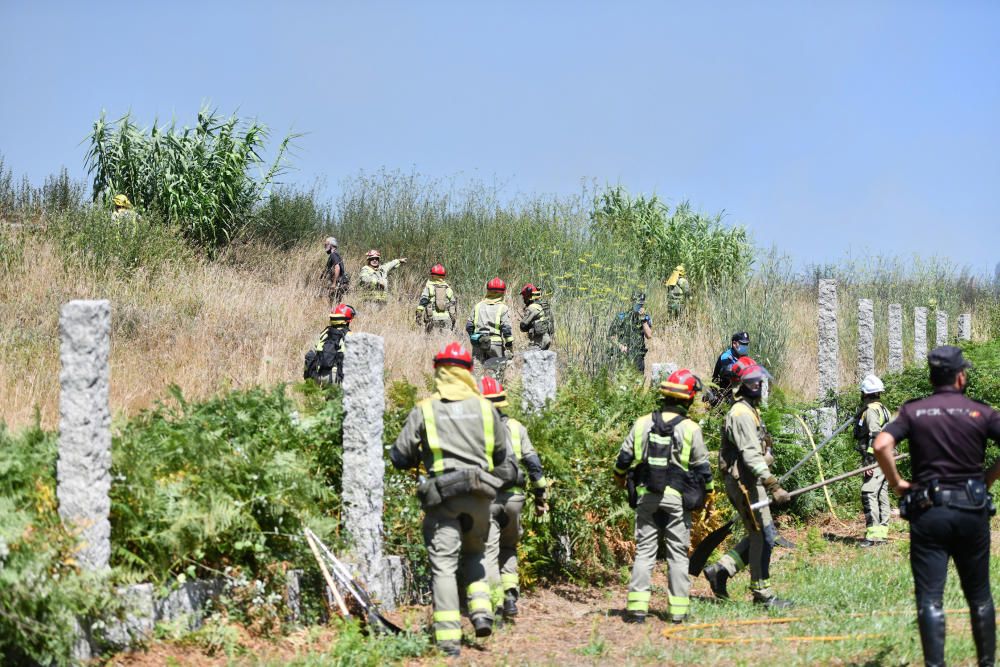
pixel 829 351
pixel 364 466
pixel 941 329
pixel 866 338
pixel 661 372
pixel 965 326
pixel 538 380
pixel 83 471
pixel 920 335
pixel 895 337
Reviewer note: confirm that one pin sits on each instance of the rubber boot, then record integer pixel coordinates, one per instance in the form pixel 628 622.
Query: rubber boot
pixel 450 648
pixel 483 626
pixel 774 602
pixel 510 603
pixel 984 631
pixel 717 577
pixel 930 619
pixel 636 617
pixel 780 541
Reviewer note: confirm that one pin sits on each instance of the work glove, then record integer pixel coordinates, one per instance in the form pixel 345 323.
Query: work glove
pixel 778 494
pixel 619 480
pixel 710 501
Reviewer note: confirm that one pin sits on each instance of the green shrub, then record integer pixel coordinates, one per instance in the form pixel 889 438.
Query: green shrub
pixel 225 483
pixel 42 592
pixel 288 216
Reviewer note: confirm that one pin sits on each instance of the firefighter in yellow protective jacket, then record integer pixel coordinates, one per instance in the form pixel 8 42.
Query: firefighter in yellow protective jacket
pixel 505 517
pixel 744 460
pixel 437 306
pixel 537 321
pixel 667 457
pixel 460 439
pixel 678 290
pixel 489 329
pixel 870 421
pixel 373 278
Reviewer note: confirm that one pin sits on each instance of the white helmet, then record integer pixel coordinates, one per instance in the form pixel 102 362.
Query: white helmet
pixel 872 385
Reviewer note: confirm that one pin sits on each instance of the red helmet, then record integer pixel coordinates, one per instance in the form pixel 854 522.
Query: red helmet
pixel 529 291
pixel 373 254
pixel 748 370
pixel 682 384
pixel 342 314
pixel 453 354
pixel 492 389
pixel 496 285
pixel 438 270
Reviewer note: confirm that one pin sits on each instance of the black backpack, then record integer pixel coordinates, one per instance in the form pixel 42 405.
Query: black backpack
pixel 320 363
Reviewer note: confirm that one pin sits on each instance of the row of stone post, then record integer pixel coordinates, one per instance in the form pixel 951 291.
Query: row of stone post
pixel 829 349
pixel 84 464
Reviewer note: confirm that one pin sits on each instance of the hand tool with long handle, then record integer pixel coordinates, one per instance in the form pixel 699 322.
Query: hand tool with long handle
pixel 712 541
pixel 326 575
pixel 819 485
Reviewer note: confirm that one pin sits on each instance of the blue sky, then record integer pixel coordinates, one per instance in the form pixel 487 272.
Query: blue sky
pixel 826 128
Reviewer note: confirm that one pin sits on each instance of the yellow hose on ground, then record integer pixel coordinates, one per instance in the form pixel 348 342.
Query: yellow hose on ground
pixel 819 465
pixel 674 631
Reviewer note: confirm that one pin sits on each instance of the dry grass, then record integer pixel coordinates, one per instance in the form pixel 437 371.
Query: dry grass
pixel 248 320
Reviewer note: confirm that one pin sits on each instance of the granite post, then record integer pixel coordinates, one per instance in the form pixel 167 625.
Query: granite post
pixel 538 380
pixel 965 326
pixel 895 337
pixel 920 335
pixel 83 470
pixel 866 338
pixel 829 351
pixel 941 328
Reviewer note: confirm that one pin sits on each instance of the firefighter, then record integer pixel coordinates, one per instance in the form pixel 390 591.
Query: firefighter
pixel 437 306
pixel 870 420
pixel 748 480
pixel 629 333
pixel 325 363
pixel 122 209
pixel 374 276
pixel 489 330
pixel 505 515
pixel 947 503
pixel 334 274
pixel 459 438
pixel 666 455
pixel 678 290
pixel 537 321
pixel 723 375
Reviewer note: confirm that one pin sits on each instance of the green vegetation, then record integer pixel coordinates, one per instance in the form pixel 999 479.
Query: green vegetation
pixel 200 178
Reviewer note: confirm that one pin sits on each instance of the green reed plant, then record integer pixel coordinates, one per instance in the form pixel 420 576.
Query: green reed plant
pixel 208 178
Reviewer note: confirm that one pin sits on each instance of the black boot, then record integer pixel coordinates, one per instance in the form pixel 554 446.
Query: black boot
pixel 773 602
pixel 510 603
pixel 930 619
pixel 984 631
pixel 717 577
pixel 483 626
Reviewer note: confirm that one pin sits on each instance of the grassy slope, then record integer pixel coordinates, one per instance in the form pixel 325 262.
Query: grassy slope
pixel 211 326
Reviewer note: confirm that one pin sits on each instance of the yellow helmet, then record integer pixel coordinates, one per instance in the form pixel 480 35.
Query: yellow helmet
pixel 121 201
pixel 680 269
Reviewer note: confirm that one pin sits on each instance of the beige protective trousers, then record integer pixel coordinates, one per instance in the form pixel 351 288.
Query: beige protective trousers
pixel 653 514
pixel 760 533
pixel 455 534
pixel 875 502
pixel 501 546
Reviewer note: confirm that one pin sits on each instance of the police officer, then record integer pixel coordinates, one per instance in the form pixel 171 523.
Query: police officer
pixel 946 502
pixel 748 478
pixel 667 455
pixel 723 375
pixel 460 439
pixel 868 423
